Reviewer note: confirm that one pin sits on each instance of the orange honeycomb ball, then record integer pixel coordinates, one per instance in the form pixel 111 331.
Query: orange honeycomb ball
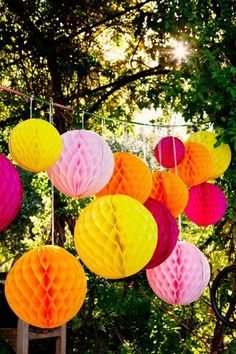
pixel 46 287
pixel 131 176
pixel 196 166
pixel 170 190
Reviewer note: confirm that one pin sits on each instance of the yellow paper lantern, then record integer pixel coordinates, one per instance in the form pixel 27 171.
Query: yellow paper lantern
pixel 196 166
pixel 221 154
pixel 131 176
pixel 35 144
pixel 170 190
pixel 115 236
pixel 46 287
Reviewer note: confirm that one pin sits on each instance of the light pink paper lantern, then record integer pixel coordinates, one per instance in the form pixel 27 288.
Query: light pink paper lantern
pixel 85 166
pixel 167 232
pixel 10 191
pixel 206 204
pixel 169 151
pixel 182 277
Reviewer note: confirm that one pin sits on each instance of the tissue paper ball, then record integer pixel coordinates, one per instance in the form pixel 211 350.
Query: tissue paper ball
pixel 11 192
pixel 85 165
pixel 169 151
pixel 170 190
pixel 206 205
pixel 167 232
pixel 221 154
pixel 115 236
pixel 35 144
pixel 46 287
pixel 196 166
pixel 131 176
pixel 182 277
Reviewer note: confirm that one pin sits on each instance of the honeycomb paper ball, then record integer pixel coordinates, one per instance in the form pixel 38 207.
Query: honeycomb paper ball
pixel 46 287
pixel 206 205
pixel 131 176
pixel 85 165
pixel 115 236
pixel 169 151
pixel 35 144
pixel 196 166
pixel 11 192
pixel 182 277
pixel 167 232
pixel 170 190
pixel 221 154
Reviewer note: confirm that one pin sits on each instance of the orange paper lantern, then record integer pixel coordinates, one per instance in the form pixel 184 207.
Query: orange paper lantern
pixel 196 166
pixel 170 190
pixel 46 287
pixel 131 176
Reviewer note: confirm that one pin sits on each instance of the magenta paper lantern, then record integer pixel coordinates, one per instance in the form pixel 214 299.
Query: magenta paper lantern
pixel 167 232
pixel 169 151
pixel 11 192
pixel 182 277
pixel 206 204
pixel 85 166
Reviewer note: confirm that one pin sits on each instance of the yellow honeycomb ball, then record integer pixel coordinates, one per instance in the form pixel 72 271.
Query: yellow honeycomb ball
pixel 46 287
pixel 35 144
pixel 221 154
pixel 115 236
pixel 196 166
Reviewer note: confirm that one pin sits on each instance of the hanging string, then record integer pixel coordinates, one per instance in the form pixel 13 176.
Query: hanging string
pixel 176 172
pixel 82 120
pixel 52 187
pixel 31 107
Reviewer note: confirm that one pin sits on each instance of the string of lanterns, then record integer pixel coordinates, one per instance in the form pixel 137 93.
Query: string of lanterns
pixel 129 226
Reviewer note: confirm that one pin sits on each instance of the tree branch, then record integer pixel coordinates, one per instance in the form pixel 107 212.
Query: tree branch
pixel 113 16
pixel 123 81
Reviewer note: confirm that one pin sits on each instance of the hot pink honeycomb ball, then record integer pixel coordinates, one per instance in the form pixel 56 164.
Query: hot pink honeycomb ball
pixel 206 204
pixel 169 151
pixel 167 232
pixel 182 277
pixel 11 192
pixel 85 166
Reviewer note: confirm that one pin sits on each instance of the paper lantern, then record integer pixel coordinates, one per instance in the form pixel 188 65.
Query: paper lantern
pixel 131 176
pixel 182 277
pixel 167 232
pixel 46 287
pixel 169 151
pixel 206 205
pixel 85 165
pixel 196 166
pixel 170 190
pixel 35 144
pixel 11 192
pixel 115 236
pixel 221 154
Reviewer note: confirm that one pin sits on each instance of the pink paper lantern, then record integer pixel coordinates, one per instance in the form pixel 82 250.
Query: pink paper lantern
pixel 167 232
pixel 206 205
pixel 85 166
pixel 11 192
pixel 182 277
pixel 169 151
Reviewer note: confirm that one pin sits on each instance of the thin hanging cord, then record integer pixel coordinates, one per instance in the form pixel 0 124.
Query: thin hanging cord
pixel 82 121
pixel 52 187
pixel 31 107
pixel 176 172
